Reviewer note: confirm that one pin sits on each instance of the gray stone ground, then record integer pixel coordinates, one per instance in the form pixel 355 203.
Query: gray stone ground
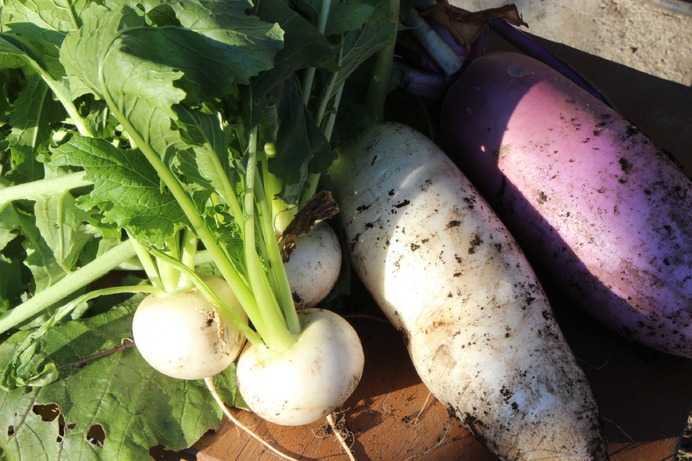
pixel 640 34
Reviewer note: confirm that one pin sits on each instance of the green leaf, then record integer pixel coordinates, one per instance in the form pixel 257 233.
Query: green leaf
pixel 29 366
pixel 32 34
pixel 114 407
pixel 218 44
pixel 26 44
pixel 55 15
pixel 208 162
pixel 44 268
pixel 360 44
pixel 139 92
pixel 12 287
pixel 62 226
pixel 34 111
pixel 9 222
pixel 11 283
pixel 127 189
pixel 142 71
pixel 301 147
pixel 346 17
pixel 305 46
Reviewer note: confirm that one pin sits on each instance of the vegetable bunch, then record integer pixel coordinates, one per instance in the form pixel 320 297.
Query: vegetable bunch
pixel 173 139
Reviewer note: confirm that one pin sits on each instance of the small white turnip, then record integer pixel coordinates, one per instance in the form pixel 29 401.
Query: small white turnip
pixel 182 336
pixel 308 381
pixel 314 266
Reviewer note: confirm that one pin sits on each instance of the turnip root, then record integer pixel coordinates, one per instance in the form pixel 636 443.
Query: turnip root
pixel 314 266
pixel 601 209
pixel 446 272
pixel 308 381
pixel 181 334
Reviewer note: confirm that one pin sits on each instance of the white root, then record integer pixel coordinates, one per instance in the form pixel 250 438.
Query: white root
pixel 337 430
pixel 217 398
pixel 304 383
pixel 314 266
pixel 182 336
pixel 422 408
pixel 446 272
pixel 335 427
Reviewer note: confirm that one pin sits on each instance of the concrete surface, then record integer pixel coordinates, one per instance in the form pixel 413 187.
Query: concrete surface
pixel 640 34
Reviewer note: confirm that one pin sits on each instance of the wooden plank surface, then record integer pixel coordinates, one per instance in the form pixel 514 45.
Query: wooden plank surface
pixel 644 397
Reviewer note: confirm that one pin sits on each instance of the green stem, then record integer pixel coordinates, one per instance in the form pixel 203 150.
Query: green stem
pixel 170 276
pixel 187 257
pixel 121 289
pixel 43 187
pixel 327 98
pixel 331 119
pixel 61 93
pixel 227 312
pixel 276 264
pixel 378 87
pixel 225 266
pixel 310 71
pixel 308 79
pixel 281 212
pixel 68 285
pixel 277 336
pixel 310 187
pixel 148 264
pixel 225 188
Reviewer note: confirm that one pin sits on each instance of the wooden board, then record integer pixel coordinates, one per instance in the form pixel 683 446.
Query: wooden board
pixel 644 396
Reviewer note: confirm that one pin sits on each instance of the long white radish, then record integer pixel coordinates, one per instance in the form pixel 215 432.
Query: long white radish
pixel 447 273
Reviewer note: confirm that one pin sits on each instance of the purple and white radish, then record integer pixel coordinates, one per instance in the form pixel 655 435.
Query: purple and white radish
pixel 595 203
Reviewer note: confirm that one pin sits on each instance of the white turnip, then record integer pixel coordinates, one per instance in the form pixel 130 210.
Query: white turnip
pixel 183 336
pixel 599 207
pixel 306 382
pixel 447 273
pixel 314 265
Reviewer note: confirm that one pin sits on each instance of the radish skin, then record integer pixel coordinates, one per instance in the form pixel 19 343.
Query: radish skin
pixel 477 323
pixel 314 266
pixel 597 205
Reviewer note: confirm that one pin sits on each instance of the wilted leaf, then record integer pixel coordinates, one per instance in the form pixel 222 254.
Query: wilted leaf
pixel 466 26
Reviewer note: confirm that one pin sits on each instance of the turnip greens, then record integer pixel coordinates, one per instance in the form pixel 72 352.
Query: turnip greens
pixel 151 136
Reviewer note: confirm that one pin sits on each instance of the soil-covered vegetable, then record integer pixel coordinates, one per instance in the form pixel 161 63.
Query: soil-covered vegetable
pixel 328 351
pixel 183 336
pixel 314 266
pixel 447 273
pixel 597 205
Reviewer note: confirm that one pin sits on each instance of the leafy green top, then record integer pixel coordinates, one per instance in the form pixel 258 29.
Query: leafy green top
pixel 130 131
